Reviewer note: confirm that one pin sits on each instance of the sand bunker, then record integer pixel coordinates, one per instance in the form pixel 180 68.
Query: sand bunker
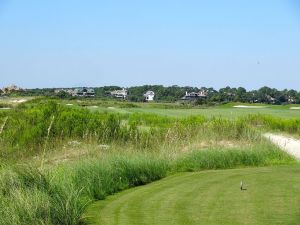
pixel 249 106
pixel 294 107
pixel 19 100
pixel 69 104
pixel 288 144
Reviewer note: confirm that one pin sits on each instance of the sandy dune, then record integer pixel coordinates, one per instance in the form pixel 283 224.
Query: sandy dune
pixel 288 144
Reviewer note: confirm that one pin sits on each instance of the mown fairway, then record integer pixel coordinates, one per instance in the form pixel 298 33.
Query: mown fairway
pixel 225 112
pixel 212 197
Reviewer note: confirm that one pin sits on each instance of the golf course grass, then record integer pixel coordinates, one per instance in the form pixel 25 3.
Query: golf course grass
pixel 224 112
pixel 209 197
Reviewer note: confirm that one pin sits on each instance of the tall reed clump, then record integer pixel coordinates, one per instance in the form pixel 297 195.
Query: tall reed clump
pixel 29 196
pixel 231 129
pixel 262 154
pixel 99 179
pixel 28 128
pixel 275 123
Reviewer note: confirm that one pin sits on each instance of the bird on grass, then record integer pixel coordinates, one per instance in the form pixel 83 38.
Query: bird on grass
pixel 242 186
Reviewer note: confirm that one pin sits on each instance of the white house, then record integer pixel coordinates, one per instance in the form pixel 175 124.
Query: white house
pixel 120 93
pixel 149 96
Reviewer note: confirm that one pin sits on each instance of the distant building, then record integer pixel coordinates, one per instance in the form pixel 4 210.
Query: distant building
pixel 10 89
pixel 195 95
pixel 149 96
pixel 291 99
pixel 203 93
pixel 271 99
pixel 122 94
pixel 83 92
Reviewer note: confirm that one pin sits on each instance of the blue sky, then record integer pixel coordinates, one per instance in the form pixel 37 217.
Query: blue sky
pixel 64 43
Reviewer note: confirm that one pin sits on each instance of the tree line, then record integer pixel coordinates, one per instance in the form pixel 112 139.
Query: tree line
pixel 175 93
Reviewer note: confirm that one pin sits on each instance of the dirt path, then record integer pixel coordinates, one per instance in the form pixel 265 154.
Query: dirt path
pixel 288 144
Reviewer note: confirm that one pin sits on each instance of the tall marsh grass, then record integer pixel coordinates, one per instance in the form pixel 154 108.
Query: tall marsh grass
pixel 274 123
pixel 29 196
pixel 27 129
pixel 218 158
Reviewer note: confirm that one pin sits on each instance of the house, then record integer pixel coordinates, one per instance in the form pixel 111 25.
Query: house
pixel 203 93
pixel 149 96
pixel 122 94
pixel 195 95
pixel 11 88
pixel 271 99
pixel 83 92
pixel 190 96
pixel 291 99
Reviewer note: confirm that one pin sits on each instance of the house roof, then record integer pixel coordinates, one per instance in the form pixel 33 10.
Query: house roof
pixel 149 93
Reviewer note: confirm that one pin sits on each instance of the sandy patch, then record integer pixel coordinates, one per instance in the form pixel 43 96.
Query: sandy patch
pixel 249 106
pixel 288 144
pixel 69 104
pixel 19 100
pixel 294 107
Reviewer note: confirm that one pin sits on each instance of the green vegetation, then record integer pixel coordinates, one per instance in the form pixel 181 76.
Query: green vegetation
pixel 175 93
pixel 259 155
pixel 59 196
pixel 217 111
pixel 32 126
pixel 212 197
pixel 30 196
pixel 56 159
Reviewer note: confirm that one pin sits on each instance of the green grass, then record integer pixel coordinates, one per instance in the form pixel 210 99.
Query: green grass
pixel 211 197
pixel 59 195
pixel 58 178
pixel 221 111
